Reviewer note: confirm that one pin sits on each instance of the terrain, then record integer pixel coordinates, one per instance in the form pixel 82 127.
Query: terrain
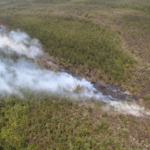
pixel 105 41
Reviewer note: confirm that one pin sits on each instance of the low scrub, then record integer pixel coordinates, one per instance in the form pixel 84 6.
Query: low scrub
pixel 78 44
pixel 45 121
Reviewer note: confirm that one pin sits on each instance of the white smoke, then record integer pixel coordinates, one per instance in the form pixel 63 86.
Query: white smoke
pixel 128 108
pixel 22 73
pixel 21 43
pixel 26 74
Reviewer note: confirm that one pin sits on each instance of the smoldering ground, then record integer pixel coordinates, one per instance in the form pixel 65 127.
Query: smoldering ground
pixel 18 69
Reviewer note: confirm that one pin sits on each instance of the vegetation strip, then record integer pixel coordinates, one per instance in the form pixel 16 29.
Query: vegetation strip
pixel 60 123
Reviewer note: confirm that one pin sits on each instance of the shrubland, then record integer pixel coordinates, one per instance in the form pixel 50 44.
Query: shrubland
pixel 104 40
pixel 45 121
pixel 79 44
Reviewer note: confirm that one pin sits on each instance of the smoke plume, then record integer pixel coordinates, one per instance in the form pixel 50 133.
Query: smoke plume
pixel 25 73
pixel 18 70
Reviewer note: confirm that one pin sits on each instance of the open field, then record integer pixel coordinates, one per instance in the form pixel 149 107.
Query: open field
pixel 104 40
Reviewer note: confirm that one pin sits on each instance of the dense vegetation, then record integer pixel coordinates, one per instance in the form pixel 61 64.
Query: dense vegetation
pixel 54 123
pixel 82 45
pixel 100 39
